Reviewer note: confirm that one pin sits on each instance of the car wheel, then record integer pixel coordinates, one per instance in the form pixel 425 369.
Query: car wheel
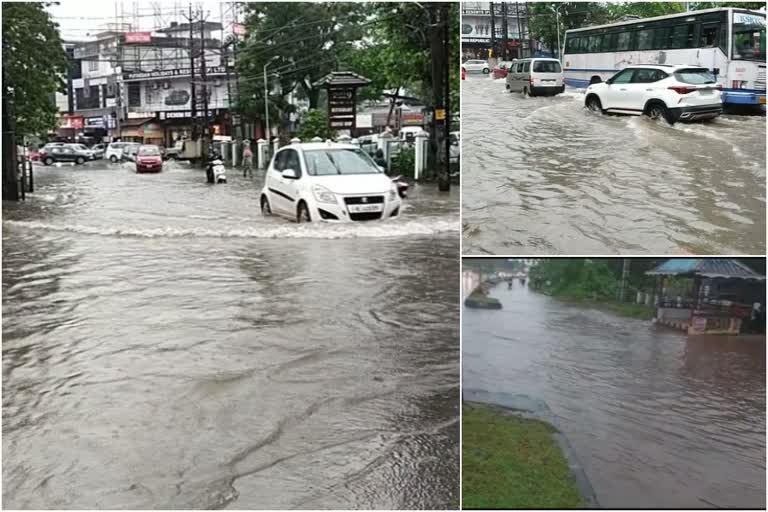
pixel 266 210
pixel 79 160
pixel 658 111
pixel 302 213
pixel 527 92
pixel 593 103
pixel 113 159
pixel 486 71
pixel 507 86
pixel 48 161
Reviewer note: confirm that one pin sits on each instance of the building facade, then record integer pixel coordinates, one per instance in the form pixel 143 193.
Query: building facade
pixel 496 30
pixel 138 86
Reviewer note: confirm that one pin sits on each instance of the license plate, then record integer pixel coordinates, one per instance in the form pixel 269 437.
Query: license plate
pixel 365 208
pixel 705 91
pixel 761 101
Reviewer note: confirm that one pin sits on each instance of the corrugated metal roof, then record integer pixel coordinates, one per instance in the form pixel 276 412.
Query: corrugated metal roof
pixel 342 78
pixel 706 267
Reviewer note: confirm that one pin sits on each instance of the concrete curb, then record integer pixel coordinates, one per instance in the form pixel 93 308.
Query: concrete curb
pixel 528 407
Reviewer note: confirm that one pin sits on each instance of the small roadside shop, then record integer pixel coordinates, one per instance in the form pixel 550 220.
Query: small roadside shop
pixel 708 295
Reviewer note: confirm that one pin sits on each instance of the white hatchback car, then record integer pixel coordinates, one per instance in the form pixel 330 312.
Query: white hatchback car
pixel 672 92
pixel 327 181
pixel 474 65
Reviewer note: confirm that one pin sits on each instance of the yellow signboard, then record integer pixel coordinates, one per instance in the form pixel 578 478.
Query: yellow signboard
pixel 440 114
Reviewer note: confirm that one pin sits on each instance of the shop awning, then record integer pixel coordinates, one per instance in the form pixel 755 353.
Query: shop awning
pixel 727 268
pixel 130 123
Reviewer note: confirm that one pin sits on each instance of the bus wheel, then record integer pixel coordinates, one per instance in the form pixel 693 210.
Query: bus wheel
pixel 595 80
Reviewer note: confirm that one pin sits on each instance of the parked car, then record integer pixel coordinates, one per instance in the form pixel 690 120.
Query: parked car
pixel 114 152
pixel 330 182
pixel 52 153
pixel 455 149
pixel 148 159
pixel 475 66
pixel 672 92
pixel 129 151
pixel 98 151
pixel 502 68
pixel 536 77
pixel 83 149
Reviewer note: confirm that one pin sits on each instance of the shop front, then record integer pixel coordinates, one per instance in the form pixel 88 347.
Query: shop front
pixel 132 130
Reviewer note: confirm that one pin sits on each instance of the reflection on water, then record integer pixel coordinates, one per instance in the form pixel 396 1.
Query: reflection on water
pixel 657 418
pixel 545 176
pixel 150 361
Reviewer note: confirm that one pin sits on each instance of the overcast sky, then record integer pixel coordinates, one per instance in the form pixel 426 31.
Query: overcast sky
pixel 78 18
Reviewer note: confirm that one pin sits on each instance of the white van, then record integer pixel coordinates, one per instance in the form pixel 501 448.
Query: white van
pixel 536 77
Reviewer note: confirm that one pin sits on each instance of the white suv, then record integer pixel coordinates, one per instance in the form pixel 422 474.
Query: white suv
pixel 673 92
pixel 327 181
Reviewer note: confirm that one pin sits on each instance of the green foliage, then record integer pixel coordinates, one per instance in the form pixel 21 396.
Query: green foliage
pixel 305 39
pixel 315 124
pixel 644 9
pixel 511 462
pixel 403 163
pixel 34 64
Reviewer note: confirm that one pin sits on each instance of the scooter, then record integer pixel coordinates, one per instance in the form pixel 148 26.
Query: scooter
pixel 215 172
pixel 402 186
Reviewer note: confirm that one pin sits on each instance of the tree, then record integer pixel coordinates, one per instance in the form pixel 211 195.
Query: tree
pixel 315 124
pixel 34 65
pixel 543 21
pixel 302 40
pixel 644 9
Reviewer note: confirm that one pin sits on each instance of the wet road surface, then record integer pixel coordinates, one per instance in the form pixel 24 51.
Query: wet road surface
pixel 658 419
pixel 164 346
pixel 545 176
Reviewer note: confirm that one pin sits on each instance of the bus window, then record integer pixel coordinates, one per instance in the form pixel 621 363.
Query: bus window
pixel 748 37
pixel 625 42
pixel 594 44
pixel 609 43
pixel 681 36
pixel 660 38
pixel 644 39
pixel 708 36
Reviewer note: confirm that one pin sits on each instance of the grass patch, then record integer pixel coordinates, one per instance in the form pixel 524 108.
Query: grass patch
pixel 625 309
pixel 512 462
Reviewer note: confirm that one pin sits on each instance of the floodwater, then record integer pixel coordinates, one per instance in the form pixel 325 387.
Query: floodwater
pixel 546 176
pixel 658 419
pixel 164 346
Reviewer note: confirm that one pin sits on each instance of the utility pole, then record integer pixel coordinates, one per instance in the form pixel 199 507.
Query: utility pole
pixel 193 88
pixel 493 31
pixel 519 31
pixel 203 77
pixel 504 30
pixel 438 26
pixel 624 278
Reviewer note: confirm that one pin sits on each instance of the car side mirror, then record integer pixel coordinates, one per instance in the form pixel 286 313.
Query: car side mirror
pixel 609 81
pixel 381 168
pixel 290 174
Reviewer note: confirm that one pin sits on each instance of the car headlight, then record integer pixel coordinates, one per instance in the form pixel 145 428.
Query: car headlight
pixel 392 193
pixel 323 195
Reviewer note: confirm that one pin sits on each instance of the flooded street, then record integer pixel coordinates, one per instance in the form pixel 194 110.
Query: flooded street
pixel 545 176
pixel 658 419
pixel 165 346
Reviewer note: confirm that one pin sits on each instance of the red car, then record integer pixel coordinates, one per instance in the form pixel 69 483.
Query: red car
pixel 149 159
pixel 463 73
pixel 501 69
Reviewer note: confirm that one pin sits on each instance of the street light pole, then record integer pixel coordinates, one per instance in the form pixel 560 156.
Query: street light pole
pixel 266 98
pixel 557 28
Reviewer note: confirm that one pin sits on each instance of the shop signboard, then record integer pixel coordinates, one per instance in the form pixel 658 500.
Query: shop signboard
pixel 171 73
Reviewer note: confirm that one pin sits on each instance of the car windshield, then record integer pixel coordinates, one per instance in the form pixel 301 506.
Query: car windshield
pixel 149 151
pixel 327 162
pixel 695 76
pixel 546 66
pixel 748 36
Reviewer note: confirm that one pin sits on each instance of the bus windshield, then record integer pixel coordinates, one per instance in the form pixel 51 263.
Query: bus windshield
pixel 748 36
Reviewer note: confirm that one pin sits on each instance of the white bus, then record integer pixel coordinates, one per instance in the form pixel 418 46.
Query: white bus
pixel 730 42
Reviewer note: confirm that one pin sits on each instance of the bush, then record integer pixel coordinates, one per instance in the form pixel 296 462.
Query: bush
pixel 404 161
pixel 315 124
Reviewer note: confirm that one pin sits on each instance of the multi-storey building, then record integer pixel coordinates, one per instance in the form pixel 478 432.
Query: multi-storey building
pixel 496 29
pixel 138 86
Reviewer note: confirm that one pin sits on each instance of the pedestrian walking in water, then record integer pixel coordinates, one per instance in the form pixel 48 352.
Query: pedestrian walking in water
pixel 247 159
